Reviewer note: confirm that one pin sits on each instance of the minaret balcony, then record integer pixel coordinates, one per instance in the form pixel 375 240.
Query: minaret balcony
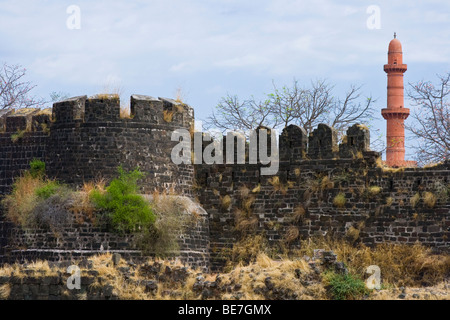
pixel 395 68
pixel 395 113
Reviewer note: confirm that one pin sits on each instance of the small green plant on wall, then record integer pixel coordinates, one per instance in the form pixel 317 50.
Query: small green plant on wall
pixel 127 210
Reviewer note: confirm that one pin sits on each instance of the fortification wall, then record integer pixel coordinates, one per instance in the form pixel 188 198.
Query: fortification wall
pixel 88 141
pixel 299 202
pixel 23 136
pixel 75 240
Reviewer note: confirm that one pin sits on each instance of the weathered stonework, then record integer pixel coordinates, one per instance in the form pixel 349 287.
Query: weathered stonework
pixel 87 140
pixel 75 241
pixel 377 205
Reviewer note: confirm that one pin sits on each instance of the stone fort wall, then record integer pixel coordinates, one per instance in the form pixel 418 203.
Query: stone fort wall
pixel 86 139
pixel 380 204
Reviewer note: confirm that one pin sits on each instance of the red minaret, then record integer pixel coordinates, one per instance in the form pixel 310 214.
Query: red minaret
pixel 395 113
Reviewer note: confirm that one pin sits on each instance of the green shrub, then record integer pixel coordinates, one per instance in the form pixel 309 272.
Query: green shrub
pixel 37 168
pixel 127 210
pixel 344 286
pixel 48 189
pixel 18 135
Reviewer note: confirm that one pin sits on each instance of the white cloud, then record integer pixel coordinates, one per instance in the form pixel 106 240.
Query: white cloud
pixel 219 46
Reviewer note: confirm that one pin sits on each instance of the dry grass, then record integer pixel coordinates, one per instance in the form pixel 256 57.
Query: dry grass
pixel 429 199
pixel 244 192
pixel 257 189
pixel 291 234
pixel 389 201
pixel 168 115
pixel 275 182
pixel 173 216
pixel 400 264
pixel 340 200
pixel 108 96
pixel 126 290
pixel 380 164
pixel 82 207
pixel 247 203
pixel 278 186
pixel 43 268
pixel 226 202
pixel 414 200
pixel 326 183
pixel 374 190
pixel 110 88
pixel 21 202
pixel 252 263
pixel 432 165
pixel 298 214
pixel 352 234
pixel 358 155
pixel 438 292
pixel 5 290
pixel 245 222
pixel 125 112
pixel 180 95
pixel 246 250
pixel 282 274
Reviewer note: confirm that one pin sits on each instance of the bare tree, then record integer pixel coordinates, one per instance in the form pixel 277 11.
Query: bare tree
pixel 350 110
pixel 431 119
pixel 232 114
pixel 58 96
pixel 304 106
pixel 14 91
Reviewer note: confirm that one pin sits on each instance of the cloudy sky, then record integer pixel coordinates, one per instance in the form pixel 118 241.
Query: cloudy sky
pixel 211 48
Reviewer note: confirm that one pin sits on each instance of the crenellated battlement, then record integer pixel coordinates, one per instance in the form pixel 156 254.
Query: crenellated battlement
pixel 26 120
pixel 106 108
pixel 84 138
pixel 294 145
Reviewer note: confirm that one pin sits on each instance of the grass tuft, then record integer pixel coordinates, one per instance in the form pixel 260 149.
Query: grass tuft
pixel 340 200
pixel 415 200
pixel 429 199
pixel 345 286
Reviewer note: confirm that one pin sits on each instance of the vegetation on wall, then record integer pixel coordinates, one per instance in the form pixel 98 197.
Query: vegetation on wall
pixel 127 210
pixel 34 198
pixel 172 217
pixel 156 224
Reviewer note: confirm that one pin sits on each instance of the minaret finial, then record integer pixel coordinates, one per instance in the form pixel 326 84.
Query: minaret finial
pixel 395 35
